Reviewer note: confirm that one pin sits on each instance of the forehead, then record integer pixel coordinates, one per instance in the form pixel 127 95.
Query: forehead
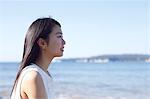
pixel 57 30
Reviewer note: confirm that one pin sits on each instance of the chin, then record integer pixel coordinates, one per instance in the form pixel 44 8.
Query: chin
pixel 60 55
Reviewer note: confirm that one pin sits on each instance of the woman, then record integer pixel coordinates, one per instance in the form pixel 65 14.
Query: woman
pixel 43 42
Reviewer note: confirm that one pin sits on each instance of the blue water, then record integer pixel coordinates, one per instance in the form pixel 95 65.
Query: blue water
pixel 118 80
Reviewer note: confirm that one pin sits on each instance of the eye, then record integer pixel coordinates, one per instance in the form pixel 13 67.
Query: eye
pixel 60 36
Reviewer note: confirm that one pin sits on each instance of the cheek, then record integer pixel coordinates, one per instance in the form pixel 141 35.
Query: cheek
pixel 54 46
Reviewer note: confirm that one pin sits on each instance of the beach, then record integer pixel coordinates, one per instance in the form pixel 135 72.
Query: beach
pixel 5 94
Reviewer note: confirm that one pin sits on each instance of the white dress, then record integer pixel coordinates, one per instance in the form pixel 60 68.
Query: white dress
pixel 45 77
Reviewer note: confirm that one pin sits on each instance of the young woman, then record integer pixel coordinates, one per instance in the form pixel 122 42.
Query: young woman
pixel 43 42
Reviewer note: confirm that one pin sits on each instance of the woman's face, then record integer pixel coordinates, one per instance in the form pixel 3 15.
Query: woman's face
pixel 56 42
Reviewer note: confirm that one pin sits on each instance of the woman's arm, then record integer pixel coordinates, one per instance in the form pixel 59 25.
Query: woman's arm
pixel 33 86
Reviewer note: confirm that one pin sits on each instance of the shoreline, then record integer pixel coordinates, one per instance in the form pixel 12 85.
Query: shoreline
pixel 5 94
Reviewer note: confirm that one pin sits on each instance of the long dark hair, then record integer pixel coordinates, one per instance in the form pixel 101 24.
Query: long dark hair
pixel 40 28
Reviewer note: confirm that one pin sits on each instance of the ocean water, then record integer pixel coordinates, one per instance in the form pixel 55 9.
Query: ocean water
pixel 114 80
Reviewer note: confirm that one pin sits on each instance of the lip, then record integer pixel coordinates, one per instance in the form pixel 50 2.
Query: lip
pixel 62 49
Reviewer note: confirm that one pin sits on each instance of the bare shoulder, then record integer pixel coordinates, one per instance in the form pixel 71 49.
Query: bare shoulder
pixel 33 86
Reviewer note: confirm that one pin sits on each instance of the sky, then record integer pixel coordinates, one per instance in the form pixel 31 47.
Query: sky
pixel 90 27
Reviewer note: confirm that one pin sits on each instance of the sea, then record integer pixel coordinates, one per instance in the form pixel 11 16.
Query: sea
pixel 76 80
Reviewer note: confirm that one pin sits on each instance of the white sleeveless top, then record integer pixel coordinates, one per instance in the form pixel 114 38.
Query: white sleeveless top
pixel 16 94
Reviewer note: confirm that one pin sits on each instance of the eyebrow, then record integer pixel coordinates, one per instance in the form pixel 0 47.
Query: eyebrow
pixel 59 33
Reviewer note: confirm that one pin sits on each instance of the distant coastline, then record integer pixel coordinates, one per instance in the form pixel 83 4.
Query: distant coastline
pixel 110 58
pixel 102 59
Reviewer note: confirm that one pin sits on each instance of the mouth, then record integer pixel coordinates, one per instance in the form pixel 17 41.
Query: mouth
pixel 62 49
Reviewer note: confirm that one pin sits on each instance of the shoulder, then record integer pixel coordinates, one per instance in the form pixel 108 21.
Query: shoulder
pixel 33 85
pixel 32 75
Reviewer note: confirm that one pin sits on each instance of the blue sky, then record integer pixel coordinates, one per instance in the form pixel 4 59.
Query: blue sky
pixel 90 27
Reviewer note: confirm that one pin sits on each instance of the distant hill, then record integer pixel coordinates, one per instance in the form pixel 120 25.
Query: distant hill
pixel 111 58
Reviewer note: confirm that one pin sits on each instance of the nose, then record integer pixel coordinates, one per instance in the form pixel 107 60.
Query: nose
pixel 64 42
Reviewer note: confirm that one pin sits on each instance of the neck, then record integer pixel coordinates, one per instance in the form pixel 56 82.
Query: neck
pixel 44 62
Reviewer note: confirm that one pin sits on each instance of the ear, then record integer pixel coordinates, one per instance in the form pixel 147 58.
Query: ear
pixel 42 43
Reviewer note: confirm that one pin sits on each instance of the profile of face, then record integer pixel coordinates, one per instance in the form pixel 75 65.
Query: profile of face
pixel 55 45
